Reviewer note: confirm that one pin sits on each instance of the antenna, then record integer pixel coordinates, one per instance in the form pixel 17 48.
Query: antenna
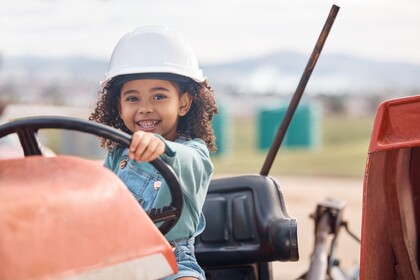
pixel 294 102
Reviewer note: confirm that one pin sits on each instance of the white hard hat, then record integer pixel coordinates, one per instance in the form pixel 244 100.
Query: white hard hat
pixel 153 49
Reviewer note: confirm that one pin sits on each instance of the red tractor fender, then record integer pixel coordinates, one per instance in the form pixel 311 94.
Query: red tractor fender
pixel 391 193
pixel 65 216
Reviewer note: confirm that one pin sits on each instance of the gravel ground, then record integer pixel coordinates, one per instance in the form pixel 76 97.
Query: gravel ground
pixel 302 194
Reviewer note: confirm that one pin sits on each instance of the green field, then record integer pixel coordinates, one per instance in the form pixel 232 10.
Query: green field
pixel 342 151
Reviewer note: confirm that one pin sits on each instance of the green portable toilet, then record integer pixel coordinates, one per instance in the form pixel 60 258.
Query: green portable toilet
pixel 221 130
pixel 303 131
pixel 268 123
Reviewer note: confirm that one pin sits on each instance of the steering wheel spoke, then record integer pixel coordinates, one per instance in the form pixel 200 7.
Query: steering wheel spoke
pixel 161 214
pixel 29 141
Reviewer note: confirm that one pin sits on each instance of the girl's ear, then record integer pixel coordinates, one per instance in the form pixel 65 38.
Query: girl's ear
pixel 119 110
pixel 184 104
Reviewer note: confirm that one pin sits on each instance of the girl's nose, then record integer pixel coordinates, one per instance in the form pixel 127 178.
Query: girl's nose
pixel 145 108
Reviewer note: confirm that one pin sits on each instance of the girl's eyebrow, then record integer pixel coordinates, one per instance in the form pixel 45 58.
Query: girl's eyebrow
pixel 159 89
pixel 129 91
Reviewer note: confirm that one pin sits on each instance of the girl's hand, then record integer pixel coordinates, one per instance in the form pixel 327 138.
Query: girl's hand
pixel 145 146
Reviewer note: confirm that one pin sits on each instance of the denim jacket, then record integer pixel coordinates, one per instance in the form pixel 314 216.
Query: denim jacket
pixel 191 162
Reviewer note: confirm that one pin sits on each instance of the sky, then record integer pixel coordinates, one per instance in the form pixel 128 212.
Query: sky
pixel 218 30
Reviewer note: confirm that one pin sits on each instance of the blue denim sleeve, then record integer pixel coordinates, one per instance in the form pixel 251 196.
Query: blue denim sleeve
pixel 108 162
pixel 112 159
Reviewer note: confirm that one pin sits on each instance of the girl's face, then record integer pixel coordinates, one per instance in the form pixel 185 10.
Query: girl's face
pixel 153 106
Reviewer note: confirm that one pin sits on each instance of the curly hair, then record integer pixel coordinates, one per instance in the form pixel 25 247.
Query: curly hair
pixel 197 123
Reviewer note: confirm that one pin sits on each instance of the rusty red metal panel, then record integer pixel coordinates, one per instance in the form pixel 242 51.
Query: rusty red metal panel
pixel 397 124
pixel 376 258
pixel 391 209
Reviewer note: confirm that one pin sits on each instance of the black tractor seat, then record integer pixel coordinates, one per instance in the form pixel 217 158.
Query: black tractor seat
pixel 247 223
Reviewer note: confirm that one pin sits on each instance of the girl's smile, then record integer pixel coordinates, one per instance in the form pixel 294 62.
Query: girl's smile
pixel 153 106
pixel 147 124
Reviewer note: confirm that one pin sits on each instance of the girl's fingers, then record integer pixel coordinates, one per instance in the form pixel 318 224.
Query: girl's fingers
pixel 141 146
pixel 135 140
pixel 154 149
pixel 135 143
pixel 145 146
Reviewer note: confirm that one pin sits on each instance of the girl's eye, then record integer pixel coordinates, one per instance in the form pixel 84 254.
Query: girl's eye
pixel 131 99
pixel 159 97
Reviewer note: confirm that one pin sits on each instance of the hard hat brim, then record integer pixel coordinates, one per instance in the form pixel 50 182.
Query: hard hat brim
pixel 121 79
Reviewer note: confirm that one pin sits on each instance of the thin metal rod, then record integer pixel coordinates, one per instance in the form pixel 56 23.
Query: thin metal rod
pixel 281 132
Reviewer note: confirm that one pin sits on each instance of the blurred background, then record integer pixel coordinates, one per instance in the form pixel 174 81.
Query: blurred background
pixel 53 53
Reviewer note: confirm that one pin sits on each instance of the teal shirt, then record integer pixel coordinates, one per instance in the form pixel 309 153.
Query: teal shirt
pixel 191 161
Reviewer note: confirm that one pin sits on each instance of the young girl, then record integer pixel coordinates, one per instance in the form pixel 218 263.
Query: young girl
pixel 155 91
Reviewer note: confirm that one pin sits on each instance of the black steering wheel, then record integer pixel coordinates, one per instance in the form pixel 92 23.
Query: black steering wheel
pixel 27 128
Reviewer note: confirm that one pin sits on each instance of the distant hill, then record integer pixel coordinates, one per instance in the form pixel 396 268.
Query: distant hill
pixel 333 73
pixel 275 73
pixel 73 67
